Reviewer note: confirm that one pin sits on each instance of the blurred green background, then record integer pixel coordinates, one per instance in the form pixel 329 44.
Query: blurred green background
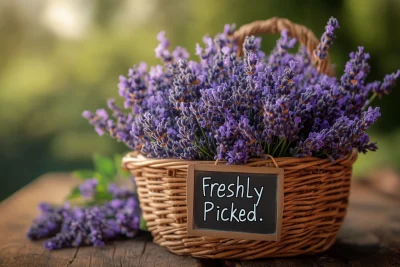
pixel 58 58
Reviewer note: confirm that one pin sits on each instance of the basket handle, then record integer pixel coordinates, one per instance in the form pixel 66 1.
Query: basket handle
pixel 274 26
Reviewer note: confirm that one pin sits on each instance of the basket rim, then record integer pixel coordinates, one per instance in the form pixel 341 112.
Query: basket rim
pixel 136 160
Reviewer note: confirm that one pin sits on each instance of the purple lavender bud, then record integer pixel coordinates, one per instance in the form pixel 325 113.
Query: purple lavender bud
pixel 123 85
pixel 199 50
pixel 327 38
pixel 229 29
pixel 87 115
pixel 88 188
pixel 370 117
pixel 61 240
pixel 356 70
pixel 385 88
pixel 364 145
pixel 119 192
pixel 128 218
pixel 389 82
pixel 239 153
pixel 102 113
pixel 161 50
pixel 314 143
pixel 98 120
pixel 180 53
pixel 285 42
pixel 113 107
pixel 47 224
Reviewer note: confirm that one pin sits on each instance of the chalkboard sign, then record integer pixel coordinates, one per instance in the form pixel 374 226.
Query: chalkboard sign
pixel 237 202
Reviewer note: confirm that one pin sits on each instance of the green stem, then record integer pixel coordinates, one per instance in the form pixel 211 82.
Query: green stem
pixel 203 150
pixel 372 98
pixel 276 148
pixel 215 146
pixel 282 147
pixel 286 149
pixel 203 133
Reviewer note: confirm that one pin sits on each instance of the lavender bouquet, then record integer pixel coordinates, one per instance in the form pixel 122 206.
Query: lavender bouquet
pixel 235 108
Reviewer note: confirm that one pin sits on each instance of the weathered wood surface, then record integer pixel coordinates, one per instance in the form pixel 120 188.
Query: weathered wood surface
pixel 370 236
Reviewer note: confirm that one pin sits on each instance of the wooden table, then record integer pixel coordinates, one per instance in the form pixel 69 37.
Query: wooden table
pixel 370 236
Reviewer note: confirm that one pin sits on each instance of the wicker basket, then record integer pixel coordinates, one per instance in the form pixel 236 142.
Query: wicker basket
pixel 315 190
pixel 315 201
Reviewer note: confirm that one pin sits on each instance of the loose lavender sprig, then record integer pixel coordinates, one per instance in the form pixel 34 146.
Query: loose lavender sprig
pixel 48 223
pixel 233 109
pixel 77 226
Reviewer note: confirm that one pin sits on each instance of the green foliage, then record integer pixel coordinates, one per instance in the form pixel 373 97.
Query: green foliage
pixel 105 167
pixel 102 196
pixel 143 225
pixel 120 171
pixel 106 171
pixel 75 193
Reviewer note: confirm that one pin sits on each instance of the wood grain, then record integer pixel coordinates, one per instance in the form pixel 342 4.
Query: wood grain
pixel 370 236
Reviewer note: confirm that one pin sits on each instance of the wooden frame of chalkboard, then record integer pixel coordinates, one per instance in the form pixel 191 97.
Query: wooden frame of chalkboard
pixel 267 172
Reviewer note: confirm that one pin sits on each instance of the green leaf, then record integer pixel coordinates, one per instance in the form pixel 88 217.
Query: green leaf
pixel 83 174
pixel 121 172
pixel 105 167
pixel 75 193
pixel 143 225
pixel 117 160
pixel 102 182
pixel 102 196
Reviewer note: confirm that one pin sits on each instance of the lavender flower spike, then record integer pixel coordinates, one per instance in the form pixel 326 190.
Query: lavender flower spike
pixel 88 188
pixel 98 120
pixel 161 50
pixel 385 88
pixel 327 38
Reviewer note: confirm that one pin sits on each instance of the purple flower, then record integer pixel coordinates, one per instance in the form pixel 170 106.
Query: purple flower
pixel 285 42
pixel 356 70
pixel 327 38
pixel 180 53
pixel 119 192
pixel 370 117
pixel 161 50
pixel 314 143
pixel 364 145
pixel 128 219
pixel 239 153
pixel 98 120
pixel 48 223
pixel 88 188
pixel 389 82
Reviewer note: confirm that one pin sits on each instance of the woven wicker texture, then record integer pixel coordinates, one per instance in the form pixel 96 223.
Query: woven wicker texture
pixel 274 26
pixel 315 201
